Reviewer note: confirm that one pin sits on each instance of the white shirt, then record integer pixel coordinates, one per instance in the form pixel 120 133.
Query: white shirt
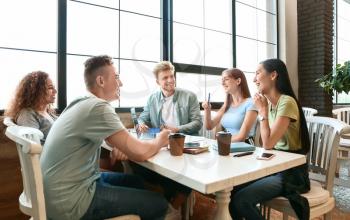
pixel 169 114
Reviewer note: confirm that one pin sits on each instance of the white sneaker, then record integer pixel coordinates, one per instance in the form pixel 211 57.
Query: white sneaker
pixel 173 214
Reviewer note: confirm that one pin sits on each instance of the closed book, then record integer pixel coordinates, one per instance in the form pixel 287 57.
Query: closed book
pixel 238 147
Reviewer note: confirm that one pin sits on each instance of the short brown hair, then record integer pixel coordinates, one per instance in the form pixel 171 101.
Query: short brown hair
pixel 92 65
pixel 163 66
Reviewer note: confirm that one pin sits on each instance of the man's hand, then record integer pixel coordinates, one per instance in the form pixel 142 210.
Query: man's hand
pixel 171 128
pixel 142 128
pixel 162 138
pixel 116 155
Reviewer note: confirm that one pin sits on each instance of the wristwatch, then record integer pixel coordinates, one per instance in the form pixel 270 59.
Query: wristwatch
pixel 261 118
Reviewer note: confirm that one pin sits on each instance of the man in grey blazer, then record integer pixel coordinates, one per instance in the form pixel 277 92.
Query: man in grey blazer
pixel 170 107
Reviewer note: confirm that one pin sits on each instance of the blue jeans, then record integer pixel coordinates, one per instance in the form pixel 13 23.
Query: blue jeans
pixel 245 197
pixel 122 194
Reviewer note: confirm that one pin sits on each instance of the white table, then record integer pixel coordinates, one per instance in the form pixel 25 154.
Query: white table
pixel 210 173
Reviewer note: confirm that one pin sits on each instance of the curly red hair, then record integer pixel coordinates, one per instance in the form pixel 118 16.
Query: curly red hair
pixel 30 93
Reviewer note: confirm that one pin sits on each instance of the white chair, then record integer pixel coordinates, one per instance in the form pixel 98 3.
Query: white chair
pixel 309 111
pixel 32 200
pixel 324 137
pixel 343 114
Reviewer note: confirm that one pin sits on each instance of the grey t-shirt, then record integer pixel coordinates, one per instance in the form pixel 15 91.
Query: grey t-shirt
pixel 30 118
pixel 69 161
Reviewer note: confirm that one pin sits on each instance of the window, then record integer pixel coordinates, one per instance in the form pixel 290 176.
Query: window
pixel 202 44
pixel 204 41
pixel 28 42
pixel 342 42
pixel 204 38
pixel 256 35
pixel 129 31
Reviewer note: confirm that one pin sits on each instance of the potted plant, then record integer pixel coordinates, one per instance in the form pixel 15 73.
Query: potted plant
pixel 338 80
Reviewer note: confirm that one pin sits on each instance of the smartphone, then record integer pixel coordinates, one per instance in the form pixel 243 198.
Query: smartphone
pixel 243 154
pixel 265 156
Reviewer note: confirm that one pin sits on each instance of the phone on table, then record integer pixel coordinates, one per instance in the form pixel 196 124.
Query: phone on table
pixel 243 154
pixel 265 156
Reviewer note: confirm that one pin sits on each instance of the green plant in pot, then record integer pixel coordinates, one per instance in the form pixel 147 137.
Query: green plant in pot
pixel 338 80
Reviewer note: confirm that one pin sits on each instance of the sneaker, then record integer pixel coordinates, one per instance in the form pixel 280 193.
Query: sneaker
pixel 173 214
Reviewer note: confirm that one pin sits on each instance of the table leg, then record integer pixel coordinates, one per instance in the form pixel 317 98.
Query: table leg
pixel 222 201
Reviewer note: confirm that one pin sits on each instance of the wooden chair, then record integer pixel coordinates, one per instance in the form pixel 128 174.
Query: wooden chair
pixel 32 200
pixel 324 134
pixel 343 114
pixel 309 111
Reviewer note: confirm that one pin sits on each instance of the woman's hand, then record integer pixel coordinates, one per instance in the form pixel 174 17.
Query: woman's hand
pixel 206 106
pixel 260 101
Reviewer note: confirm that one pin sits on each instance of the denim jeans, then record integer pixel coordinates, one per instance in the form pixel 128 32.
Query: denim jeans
pixel 245 197
pixel 122 194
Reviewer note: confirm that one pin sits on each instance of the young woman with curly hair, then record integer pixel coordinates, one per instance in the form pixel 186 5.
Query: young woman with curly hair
pixel 31 105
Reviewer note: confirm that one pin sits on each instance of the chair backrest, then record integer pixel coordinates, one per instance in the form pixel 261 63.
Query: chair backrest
pixel 8 122
pixel 324 135
pixel 29 149
pixel 308 112
pixel 342 114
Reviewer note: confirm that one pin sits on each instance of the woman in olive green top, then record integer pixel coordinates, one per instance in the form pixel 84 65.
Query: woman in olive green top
pixel 283 127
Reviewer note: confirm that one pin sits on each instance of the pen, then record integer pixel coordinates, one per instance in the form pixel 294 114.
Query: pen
pixel 209 97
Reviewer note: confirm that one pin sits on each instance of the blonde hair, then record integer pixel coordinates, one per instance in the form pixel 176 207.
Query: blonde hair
pixel 163 66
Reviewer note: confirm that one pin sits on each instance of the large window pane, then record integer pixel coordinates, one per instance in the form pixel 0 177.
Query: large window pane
pixel 214 86
pixel 16 64
pixel 246 21
pixel 139 37
pixel 149 7
pixel 188 44
pixel 343 8
pixel 75 77
pixel 192 82
pixel 188 12
pixel 266 27
pixel 343 51
pixel 202 85
pixel 29 24
pixel 266 51
pixel 92 35
pixel 247 58
pixel 218 49
pixel 138 82
pixel 218 15
pixel 343 28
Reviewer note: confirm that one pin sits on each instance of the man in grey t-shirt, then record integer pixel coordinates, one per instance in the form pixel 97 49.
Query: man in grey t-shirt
pixel 73 185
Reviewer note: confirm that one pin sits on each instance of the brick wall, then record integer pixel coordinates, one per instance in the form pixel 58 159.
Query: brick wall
pixel 315 37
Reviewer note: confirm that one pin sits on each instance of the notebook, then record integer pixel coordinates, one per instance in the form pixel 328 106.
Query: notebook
pixel 237 147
